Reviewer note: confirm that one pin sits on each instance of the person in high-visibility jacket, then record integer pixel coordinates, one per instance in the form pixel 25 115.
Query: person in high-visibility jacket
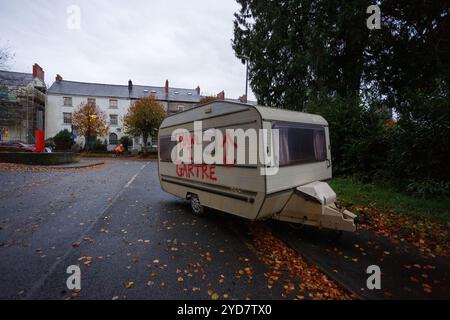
pixel 119 150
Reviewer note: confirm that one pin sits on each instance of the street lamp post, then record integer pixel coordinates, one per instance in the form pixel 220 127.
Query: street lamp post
pixel 246 81
pixel 246 75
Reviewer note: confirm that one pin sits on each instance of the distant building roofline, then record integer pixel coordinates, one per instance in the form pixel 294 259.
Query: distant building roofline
pixel 125 91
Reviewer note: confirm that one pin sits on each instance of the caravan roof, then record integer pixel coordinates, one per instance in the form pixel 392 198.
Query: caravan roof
pixel 226 107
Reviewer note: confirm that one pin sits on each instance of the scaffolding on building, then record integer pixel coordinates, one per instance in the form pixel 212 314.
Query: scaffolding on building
pixel 22 111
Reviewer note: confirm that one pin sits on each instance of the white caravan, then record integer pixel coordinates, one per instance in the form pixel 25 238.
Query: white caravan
pixel 297 192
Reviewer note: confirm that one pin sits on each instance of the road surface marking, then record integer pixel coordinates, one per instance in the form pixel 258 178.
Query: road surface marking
pixel 135 176
pixel 132 180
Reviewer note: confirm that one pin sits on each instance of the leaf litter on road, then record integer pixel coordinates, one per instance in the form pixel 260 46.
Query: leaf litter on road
pixel 299 277
pixel 428 236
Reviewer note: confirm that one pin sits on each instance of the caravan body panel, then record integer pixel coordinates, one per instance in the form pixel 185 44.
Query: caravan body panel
pixel 235 189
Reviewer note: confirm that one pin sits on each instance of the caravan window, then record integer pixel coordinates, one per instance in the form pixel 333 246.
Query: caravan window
pixel 301 143
pixel 166 146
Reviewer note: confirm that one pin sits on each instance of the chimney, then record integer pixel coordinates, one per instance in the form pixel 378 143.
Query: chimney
pixel 198 90
pixel 221 96
pixel 58 78
pixel 243 99
pixel 38 72
pixel 166 88
pixel 130 86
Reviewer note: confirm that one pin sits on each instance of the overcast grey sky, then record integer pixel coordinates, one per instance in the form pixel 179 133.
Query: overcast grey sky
pixel 187 42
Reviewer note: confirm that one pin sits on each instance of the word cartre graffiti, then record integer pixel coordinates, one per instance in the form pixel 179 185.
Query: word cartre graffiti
pixel 200 171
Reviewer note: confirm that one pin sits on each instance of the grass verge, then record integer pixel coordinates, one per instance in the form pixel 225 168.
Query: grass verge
pixel 425 223
pixel 353 192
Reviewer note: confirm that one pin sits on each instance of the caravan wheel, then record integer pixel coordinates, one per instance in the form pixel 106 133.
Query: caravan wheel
pixel 197 208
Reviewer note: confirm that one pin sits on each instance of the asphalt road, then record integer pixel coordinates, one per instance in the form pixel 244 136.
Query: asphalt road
pixel 117 224
pixel 133 241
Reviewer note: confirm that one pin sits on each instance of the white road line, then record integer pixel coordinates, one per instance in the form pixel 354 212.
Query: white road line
pixel 135 176
pixel 131 181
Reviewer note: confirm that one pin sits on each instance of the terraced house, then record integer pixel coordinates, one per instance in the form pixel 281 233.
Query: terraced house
pixel 63 98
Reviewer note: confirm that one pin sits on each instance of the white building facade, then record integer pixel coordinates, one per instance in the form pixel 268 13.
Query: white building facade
pixel 64 98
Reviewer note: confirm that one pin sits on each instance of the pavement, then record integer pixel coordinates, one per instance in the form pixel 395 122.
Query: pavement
pixel 78 165
pixel 133 241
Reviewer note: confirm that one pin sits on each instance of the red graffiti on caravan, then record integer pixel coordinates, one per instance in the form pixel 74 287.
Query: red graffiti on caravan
pixel 200 171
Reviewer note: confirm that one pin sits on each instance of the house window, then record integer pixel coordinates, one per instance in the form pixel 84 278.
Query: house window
pixel 113 103
pixel 67 101
pixel 91 101
pixel 113 139
pixel 67 117
pixel 180 108
pixel 113 119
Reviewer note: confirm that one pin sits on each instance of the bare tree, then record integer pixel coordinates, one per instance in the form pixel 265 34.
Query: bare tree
pixel 6 56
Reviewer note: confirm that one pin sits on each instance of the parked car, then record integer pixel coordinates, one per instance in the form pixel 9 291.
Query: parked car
pixel 16 146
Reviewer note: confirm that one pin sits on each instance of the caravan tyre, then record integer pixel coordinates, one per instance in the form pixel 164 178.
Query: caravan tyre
pixel 197 208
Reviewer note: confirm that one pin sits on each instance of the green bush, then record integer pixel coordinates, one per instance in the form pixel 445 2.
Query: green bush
pixel 359 137
pixel 126 142
pixel 428 188
pixel 63 140
pixel 410 153
pixel 50 143
pixel 421 137
pixel 100 145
